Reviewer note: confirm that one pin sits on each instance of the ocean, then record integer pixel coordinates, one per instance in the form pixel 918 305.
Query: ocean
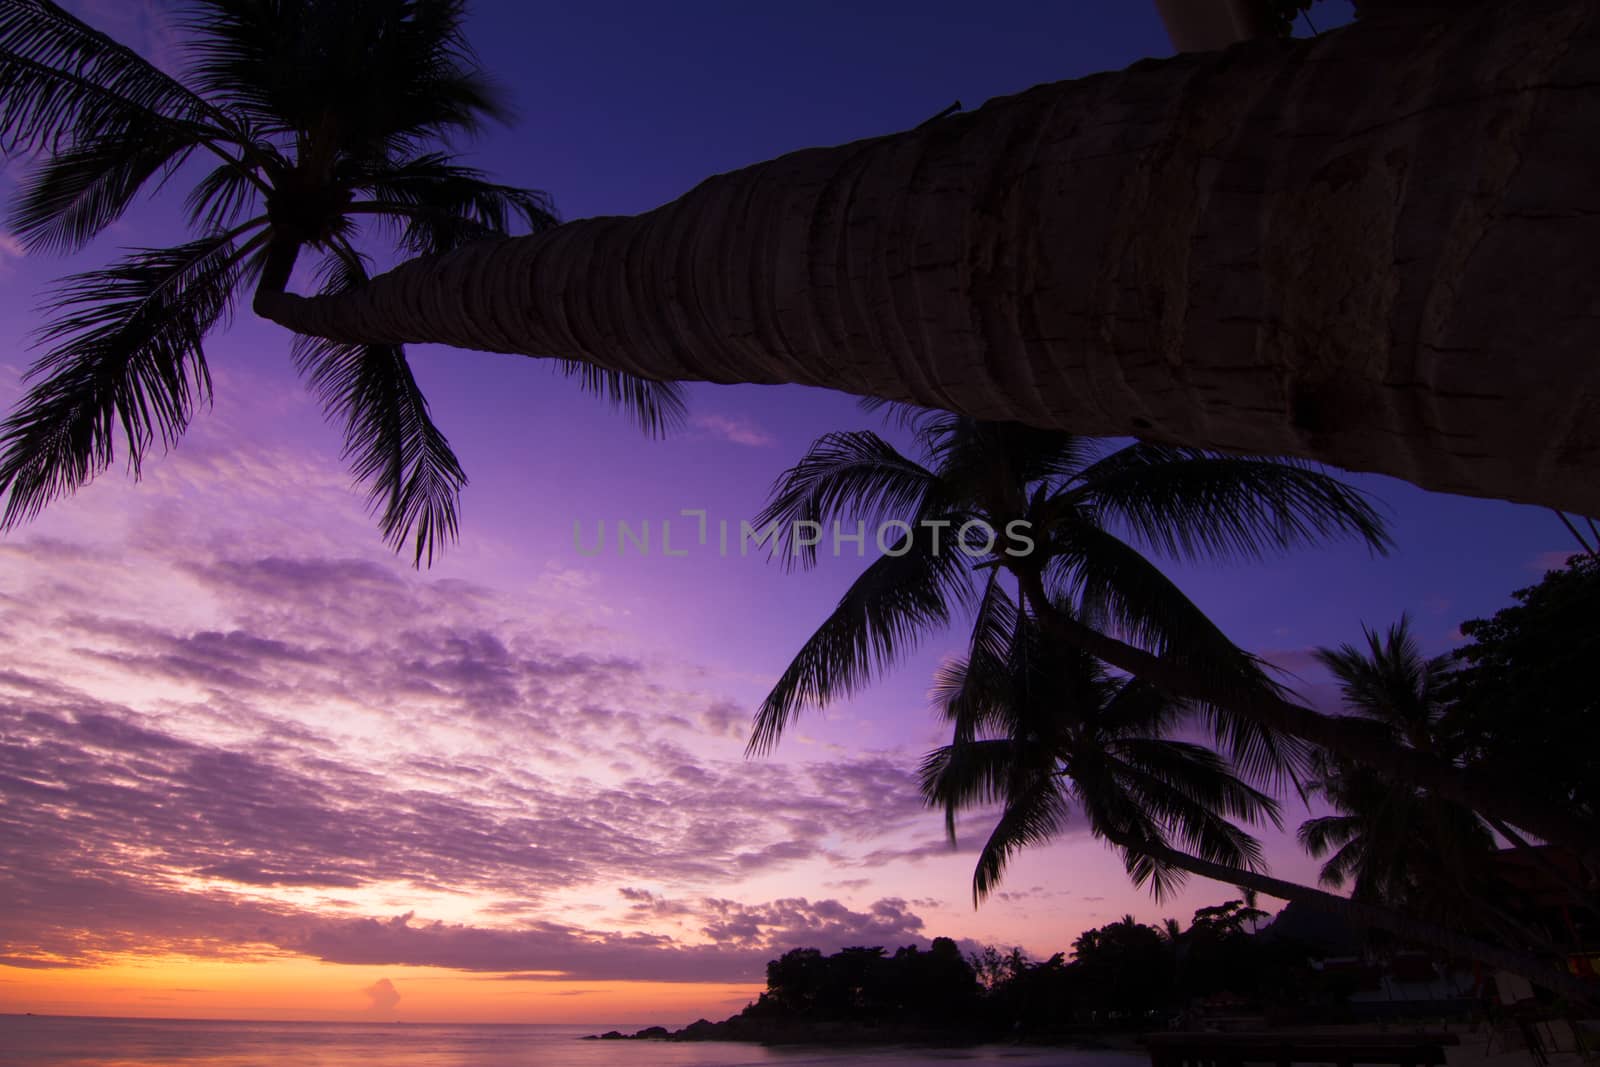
pixel 58 1041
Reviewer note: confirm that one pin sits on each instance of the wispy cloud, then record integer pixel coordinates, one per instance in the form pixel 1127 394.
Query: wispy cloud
pixel 229 744
pixel 736 429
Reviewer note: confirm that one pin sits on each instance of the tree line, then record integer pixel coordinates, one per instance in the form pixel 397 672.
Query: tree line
pixel 1123 975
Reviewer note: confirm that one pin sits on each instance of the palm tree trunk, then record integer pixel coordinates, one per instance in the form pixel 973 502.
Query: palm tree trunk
pixel 1374 249
pixel 277 266
pixel 1471 788
pixel 1581 896
pixel 1539 971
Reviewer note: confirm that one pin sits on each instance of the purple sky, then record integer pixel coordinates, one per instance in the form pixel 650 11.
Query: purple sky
pixel 229 719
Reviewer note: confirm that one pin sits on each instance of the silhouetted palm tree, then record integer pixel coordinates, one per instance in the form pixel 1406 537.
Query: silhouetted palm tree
pixel 307 125
pixel 1041 731
pixel 1089 511
pixel 1389 841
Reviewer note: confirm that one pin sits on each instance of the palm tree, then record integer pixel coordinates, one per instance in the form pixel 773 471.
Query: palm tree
pixel 1041 732
pixel 1086 509
pixel 1076 495
pixel 1044 731
pixel 1388 840
pixel 1104 256
pixel 301 126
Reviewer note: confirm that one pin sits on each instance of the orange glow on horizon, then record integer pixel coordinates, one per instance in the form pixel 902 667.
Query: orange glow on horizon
pixel 297 988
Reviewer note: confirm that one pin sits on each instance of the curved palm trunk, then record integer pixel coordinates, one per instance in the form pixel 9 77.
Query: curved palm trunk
pixel 1539 971
pixel 1374 249
pixel 1487 796
pixel 1581 896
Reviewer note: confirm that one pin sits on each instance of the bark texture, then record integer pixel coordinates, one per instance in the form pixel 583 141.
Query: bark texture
pixel 1379 248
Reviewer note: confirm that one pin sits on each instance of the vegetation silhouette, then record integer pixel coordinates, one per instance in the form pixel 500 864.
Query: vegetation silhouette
pixel 1123 976
pixel 1522 694
pixel 1041 731
pixel 1093 510
pixel 301 127
pixel 1093 260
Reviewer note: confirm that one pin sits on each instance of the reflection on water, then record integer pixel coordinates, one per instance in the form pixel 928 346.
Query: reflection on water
pixel 35 1041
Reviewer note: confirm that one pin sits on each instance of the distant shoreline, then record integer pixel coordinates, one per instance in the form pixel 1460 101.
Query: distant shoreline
pixel 843 1035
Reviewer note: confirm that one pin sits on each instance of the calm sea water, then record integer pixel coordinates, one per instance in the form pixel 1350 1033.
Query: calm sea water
pixel 37 1041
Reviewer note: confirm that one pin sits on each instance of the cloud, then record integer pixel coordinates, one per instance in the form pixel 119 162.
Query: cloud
pixel 740 939
pixel 735 429
pixel 233 745
pixel 849 884
pixel 382 995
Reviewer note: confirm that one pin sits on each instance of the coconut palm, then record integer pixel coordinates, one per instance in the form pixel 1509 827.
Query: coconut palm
pixel 1388 840
pixel 1106 256
pixel 1087 509
pixel 1043 732
pixel 299 126
pixel 1077 496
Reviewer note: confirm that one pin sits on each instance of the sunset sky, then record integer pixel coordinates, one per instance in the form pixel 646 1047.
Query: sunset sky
pixel 252 765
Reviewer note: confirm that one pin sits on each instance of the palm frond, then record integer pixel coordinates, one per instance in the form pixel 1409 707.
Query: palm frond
pixel 222 195
pixel 1194 802
pixel 128 354
pixel 978 692
pixel 440 205
pixel 1103 576
pixel 1189 503
pixel 1138 708
pixel 1146 870
pixel 1392 682
pixel 1325 833
pixel 62 81
pixel 1033 815
pixel 383 76
pixel 1117 816
pixel 896 413
pixel 968 774
pixel 980 457
pixel 657 408
pixel 413 477
pixel 899 598
pixel 858 474
pixel 82 189
pixel 1196 774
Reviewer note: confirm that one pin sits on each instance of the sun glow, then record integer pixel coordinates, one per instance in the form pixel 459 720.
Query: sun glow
pixel 291 987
